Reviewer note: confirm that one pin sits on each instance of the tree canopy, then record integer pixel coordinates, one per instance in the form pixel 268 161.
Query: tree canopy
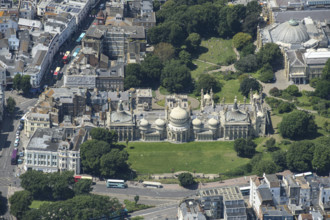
pixel 11 105
pixel 299 156
pixel 102 134
pixel 48 186
pixel 207 82
pixel 247 84
pixel 83 186
pixel 266 73
pixel 247 64
pixel 298 125
pixel 79 207
pixel 270 53
pixel 176 77
pixel 241 39
pixel 186 179
pixel 106 159
pixel 245 147
pixel 20 202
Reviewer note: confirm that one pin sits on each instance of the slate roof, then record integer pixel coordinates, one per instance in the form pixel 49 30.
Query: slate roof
pixel 316 15
pixel 265 194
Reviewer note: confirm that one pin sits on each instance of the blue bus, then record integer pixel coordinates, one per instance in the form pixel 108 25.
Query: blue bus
pixel 80 37
pixel 112 183
pixel 14 157
pixel 75 53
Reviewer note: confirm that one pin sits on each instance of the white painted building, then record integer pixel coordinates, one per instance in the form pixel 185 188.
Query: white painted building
pixel 29 24
pixel 54 149
pixel 275 187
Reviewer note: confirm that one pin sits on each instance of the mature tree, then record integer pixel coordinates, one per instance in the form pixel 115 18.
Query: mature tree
pixel 270 53
pixel 248 84
pixel 223 28
pixel 91 153
pixel 11 105
pixel 26 84
pixel 270 144
pixel 207 82
pixel 83 186
pixel 275 92
pixel 136 199
pixel 20 202
pixel 185 57
pixel 248 49
pixel 164 51
pixel 241 39
pixel 17 81
pixel 293 90
pixel 326 71
pixel 265 166
pixel 131 81
pixel 151 68
pixel 114 164
pixel 299 156
pixel 266 73
pixel 176 77
pixel 321 158
pixel 248 63
pixel 193 41
pixel 133 76
pixel 37 183
pixel 177 35
pixel 279 158
pixel 322 89
pixel 48 186
pixel 61 185
pixel 159 33
pixel 102 134
pixel 79 207
pixel 186 179
pixel 298 125
pixel 285 107
pixel 245 147
pixel 253 7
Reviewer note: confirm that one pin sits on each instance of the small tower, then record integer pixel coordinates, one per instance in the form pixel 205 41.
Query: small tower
pixel 202 99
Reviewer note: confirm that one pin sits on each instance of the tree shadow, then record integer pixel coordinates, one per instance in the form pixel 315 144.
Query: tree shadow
pixel 192 186
pixel 4 206
pixel 199 51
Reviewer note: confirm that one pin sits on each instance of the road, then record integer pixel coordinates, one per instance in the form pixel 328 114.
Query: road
pixel 7 137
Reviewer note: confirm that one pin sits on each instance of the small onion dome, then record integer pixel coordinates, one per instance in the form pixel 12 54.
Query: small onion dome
pixel 144 122
pixel 196 122
pixel 260 114
pixel 207 97
pixel 160 122
pixel 213 122
pixel 256 96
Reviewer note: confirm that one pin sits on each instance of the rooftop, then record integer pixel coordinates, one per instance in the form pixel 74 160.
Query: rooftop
pixel 265 194
pixel 228 193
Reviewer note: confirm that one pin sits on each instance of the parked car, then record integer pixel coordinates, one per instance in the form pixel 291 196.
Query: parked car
pixel 18 132
pixel 16 144
pixel 20 127
pixel 17 139
pixel 21 154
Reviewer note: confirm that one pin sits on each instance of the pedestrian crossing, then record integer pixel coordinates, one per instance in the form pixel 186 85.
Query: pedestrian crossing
pixel 7 181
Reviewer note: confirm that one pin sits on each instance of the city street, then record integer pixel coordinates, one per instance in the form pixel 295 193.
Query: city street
pixel 8 175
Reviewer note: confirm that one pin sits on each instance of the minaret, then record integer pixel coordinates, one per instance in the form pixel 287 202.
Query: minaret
pixel 235 104
pixel 244 102
pixel 211 93
pixel 251 96
pixel 202 99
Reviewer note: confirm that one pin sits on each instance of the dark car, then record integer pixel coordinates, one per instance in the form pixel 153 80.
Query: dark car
pixel 20 127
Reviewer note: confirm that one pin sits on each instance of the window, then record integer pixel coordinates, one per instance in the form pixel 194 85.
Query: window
pixel 32 124
pixel 54 157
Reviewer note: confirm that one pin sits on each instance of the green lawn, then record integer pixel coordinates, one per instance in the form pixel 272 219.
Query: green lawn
pixel 205 157
pixel 201 68
pixel 229 90
pixel 36 204
pixel 218 50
